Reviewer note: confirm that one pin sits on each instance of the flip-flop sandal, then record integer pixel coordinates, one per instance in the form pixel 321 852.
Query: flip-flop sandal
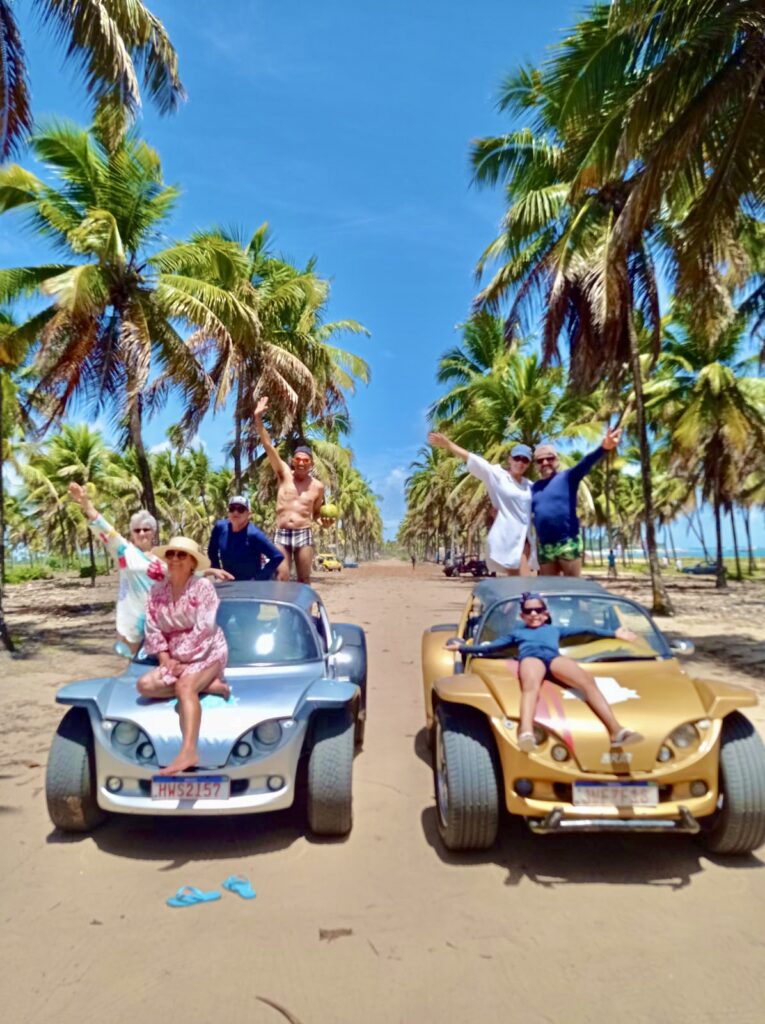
pixel 625 737
pixel 189 896
pixel 241 886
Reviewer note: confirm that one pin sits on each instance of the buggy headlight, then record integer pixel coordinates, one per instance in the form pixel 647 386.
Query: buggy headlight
pixel 126 733
pixel 268 733
pixel 684 736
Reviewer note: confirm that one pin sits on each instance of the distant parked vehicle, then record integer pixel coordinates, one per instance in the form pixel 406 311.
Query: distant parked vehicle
pixel 328 562
pixel 463 566
pixel 700 569
pixel 348 563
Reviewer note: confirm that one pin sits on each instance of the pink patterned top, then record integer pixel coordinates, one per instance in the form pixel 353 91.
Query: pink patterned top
pixel 185 628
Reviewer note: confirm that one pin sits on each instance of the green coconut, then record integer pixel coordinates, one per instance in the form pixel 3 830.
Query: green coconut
pixel 328 512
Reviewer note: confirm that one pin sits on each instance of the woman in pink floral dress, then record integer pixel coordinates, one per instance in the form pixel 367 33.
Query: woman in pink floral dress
pixel 181 630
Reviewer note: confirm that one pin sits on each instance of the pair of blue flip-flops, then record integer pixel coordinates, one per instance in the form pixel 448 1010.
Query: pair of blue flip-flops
pixel 189 896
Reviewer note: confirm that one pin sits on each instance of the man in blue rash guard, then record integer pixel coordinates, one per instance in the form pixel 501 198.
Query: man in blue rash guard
pixel 553 507
pixel 239 547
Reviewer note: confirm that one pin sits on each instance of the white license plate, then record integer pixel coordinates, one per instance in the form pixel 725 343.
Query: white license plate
pixel 616 794
pixel 181 787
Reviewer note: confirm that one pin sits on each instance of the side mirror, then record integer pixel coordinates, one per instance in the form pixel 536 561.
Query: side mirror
pixel 337 643
pixel 682 648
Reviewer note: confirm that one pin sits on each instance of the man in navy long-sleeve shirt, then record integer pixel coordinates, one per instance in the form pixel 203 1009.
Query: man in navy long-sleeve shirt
pixel 239 547
pixel 553 506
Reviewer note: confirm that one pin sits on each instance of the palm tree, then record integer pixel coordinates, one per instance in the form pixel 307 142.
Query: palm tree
pixel 76 455
pixel 108 40
pixel 117 303
pixel 686 127
pixel 714 412
pixel 556 250
pixel 288 355
pixel 12 351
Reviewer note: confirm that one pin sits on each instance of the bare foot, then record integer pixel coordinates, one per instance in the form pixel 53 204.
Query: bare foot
pixel 184 762
pixel 219 688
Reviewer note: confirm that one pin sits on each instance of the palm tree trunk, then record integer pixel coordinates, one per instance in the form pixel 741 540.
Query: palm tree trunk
pixel 720 582
pixel 739 574
pixel 610 544
pixel 661 602
pixel 748 528
pixel 701 534
pixel 237 451
pixel 136 439
pixel 5 636
pixel 92 553
pixel 672 542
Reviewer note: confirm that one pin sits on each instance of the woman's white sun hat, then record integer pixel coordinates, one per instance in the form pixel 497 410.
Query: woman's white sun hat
pixel 183 544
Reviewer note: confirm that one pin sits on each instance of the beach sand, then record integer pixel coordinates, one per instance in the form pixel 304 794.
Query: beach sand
pixel 385 926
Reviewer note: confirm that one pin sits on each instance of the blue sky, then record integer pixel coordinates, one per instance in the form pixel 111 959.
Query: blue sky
pixel 346 125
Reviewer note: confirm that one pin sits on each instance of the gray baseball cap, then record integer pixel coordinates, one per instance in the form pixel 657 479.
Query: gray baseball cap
pixel 521 449
pixel 239 499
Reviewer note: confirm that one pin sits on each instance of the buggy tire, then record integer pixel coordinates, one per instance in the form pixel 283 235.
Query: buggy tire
pixel 465 774
pixel 70 777
pixel 330 774
pixel 738 825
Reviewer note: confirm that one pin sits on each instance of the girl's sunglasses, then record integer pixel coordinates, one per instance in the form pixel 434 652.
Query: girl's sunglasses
pixel 180 555
pixel 531 611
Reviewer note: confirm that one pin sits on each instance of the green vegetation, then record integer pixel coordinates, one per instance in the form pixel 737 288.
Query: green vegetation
pixel 119 324
pixel 639 146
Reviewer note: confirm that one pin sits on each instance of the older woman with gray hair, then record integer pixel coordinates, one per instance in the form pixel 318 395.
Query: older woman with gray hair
pixel 138 568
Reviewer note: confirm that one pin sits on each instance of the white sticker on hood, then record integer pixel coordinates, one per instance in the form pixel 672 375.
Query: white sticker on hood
pixel 611 689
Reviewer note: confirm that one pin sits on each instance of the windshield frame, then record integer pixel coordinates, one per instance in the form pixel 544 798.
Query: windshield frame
pixel 586 595
pixel 151 659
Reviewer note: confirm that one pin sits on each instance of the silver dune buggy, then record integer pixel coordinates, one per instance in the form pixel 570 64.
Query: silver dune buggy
pixel 297 708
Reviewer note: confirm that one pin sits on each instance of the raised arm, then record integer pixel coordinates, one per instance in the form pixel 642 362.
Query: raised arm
pixel 583 467
pixel 486 650
pixel 113 541
pixel 278 464
pixel 442 441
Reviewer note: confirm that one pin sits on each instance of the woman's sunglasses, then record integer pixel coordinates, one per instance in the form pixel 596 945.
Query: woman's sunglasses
pixel 180 555
pixel 520 458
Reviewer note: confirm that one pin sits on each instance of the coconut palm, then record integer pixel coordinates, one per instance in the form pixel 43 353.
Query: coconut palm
pixel 556 252
pixel 289 357
pixel 714 412
pixel 117 301
pixel 687 126
pixel 113 43
pixel 76 455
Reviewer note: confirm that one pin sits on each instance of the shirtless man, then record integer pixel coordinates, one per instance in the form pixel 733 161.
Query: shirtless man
pixel 299 497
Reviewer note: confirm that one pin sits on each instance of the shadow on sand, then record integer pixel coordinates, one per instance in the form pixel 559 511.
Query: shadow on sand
pixel 182 841
pixel 611 859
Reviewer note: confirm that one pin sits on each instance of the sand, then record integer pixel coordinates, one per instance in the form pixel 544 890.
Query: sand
pixel 385 926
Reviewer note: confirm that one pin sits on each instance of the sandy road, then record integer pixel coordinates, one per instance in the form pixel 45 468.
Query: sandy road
pixel 541 929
